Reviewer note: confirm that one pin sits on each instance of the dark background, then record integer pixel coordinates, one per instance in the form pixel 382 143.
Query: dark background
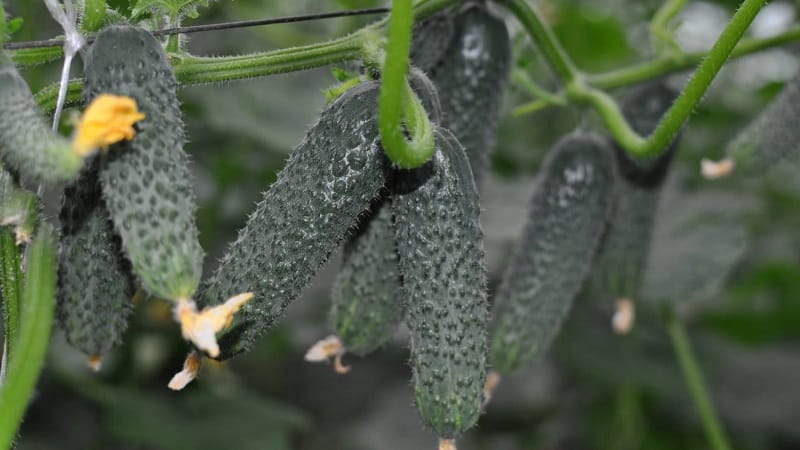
pixel 594 390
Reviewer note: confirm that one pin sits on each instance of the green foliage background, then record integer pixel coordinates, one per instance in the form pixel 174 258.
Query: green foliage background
pixel 595 390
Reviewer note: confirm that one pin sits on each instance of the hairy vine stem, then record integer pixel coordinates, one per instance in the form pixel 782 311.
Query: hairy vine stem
pixel 36 319
pixel 580 90
pixel 10 287
pixel 659 25
pixel 396 100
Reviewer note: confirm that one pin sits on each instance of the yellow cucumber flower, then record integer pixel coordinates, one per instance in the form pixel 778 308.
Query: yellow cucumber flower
pixel 107 120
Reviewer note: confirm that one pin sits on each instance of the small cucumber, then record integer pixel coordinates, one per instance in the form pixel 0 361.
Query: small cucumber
pixel 367 306
pixel 27 143
pixel 619 265
pixel 146 182
pixel 769 138
pixel 443 271
pixel 470 75
pixel 567 217
pixel 329 181
pixel 95 285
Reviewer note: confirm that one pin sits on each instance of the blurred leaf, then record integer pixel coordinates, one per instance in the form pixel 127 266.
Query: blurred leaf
pixel 198 420
pixel 698 238
pixel 592 36
pixel 174 9
pixel 763 307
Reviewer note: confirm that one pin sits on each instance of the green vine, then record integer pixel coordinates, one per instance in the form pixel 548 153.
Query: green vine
pixel 579 87
pixel 659 26
pixel 694 381
pixel 580 90
pixel 36 318
pixel 396 101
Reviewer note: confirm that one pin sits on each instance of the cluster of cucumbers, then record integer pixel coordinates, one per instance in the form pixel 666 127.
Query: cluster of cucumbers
pixel 413 245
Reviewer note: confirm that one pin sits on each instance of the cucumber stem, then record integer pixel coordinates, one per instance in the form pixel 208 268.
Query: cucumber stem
pixel 396 101
pixel 36 320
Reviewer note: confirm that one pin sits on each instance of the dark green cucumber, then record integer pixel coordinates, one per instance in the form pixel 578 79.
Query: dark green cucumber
pixel 328 182
pixel 619 265
pixel 366 307
pixel 442 267
pixel 27 143
pixel 567 217
pixel 146 182
pixel 771 137
pixel 95 286
pixel 470 75
pixel 366 301
pixel 431 38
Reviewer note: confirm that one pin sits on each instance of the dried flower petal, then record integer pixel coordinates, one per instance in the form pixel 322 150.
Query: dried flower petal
pixel 201 327
pixel 191 367
pixel 713 170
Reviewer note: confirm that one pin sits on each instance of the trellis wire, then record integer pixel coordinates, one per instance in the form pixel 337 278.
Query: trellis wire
pixel 216 26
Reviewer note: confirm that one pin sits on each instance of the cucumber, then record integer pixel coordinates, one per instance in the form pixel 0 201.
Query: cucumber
pixel 768 139
pixel 329 181
pixel 27 143
pixel 365 308
pixel 95 286
pixel 366 305
pixel 443 271
pixel 470 75
pixel 567 218
pixel 619 265
pixel 431 38
pixel 146 182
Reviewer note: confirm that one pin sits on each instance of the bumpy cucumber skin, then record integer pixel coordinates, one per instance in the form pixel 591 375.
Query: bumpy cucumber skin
pixel 95 285
pixel 431 38
pixel 769 138
pixel 443 272
pixel 27 143
pixel 330 179
pixel 146 182
pixel 567 218
pixel 619 265
pixel 366 305
pixel 471 75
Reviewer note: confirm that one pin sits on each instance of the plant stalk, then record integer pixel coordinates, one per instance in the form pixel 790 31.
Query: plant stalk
pixel 10 285
pixel 36 320
pixel 543 36
pixel 694 381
